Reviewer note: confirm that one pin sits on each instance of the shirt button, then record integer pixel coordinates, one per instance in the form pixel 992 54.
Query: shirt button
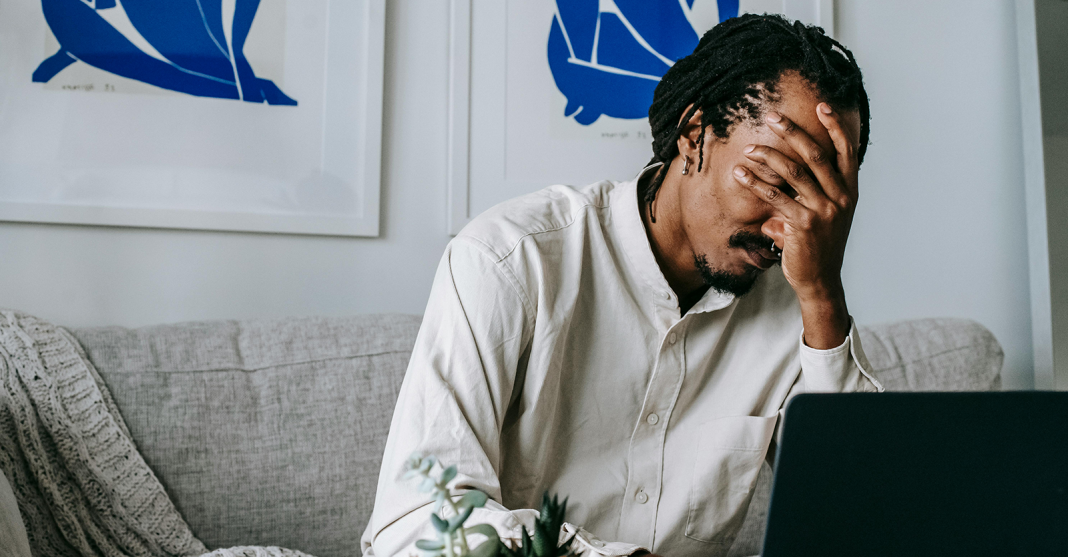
pixel 597 543
pixel 666 295
pixel 641 497
pixel 672 338
pixel 652 419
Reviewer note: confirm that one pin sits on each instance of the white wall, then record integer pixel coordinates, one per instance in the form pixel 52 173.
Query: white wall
pixel 941 226
pixel 940 230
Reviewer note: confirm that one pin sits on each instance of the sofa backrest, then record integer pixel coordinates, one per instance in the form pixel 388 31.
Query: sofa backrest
pixel 271 432
pixel 263 432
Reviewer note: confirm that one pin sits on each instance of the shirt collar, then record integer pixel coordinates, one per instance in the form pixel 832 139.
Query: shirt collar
pixel 627 222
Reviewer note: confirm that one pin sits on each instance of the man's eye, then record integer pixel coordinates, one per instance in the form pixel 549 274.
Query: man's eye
pixel 790 192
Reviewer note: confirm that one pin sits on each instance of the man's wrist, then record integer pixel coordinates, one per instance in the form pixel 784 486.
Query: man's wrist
pixel 820 292
pixel 826 321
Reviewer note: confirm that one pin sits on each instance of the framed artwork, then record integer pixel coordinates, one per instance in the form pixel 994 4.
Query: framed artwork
pixel 250 115
pixel 549 92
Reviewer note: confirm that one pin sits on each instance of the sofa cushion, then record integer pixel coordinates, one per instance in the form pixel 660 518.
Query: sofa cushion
pixel 265 432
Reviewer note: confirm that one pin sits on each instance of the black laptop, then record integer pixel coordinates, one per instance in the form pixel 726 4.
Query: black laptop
pixel 921 474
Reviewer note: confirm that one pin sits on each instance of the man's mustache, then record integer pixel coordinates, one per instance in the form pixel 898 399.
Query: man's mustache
pixel 749 241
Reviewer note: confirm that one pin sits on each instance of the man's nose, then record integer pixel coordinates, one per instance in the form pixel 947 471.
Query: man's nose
pixel 775 228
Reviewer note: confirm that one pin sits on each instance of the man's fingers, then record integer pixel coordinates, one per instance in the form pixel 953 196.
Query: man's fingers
pixel 818 159
pixel 772 195
pixel 796 175
pixel 845 145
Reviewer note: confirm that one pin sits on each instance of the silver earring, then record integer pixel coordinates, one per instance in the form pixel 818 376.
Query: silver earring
pixel 686 165
pixel 774 250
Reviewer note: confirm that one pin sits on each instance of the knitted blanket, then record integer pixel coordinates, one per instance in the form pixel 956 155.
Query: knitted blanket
pixel 82 487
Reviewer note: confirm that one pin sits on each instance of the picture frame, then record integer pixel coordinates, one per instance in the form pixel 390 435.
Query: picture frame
pixel 274 126
pixel 1039 33
pixel 511 130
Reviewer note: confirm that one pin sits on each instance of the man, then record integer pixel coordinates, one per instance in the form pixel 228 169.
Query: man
pixel 632 345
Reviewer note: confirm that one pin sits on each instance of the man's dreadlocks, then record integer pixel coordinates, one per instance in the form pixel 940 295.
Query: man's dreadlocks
pixel 732 74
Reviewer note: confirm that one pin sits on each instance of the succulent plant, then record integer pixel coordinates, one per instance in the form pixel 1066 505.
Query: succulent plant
pixel 453 535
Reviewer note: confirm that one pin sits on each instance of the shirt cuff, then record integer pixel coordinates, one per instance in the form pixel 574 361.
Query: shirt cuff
pixel 843 368
pixel 585 544
pixel 588 545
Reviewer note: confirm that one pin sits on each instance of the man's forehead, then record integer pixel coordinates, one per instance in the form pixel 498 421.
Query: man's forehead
pixel 797 101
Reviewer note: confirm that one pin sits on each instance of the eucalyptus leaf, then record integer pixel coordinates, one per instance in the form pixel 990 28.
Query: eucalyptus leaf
pixel 448 474
pixel 459 519
pixel 484 529
pixel 427 485
pixel 473 498
pixel 439 524
pixel 488 548
pixel 430 545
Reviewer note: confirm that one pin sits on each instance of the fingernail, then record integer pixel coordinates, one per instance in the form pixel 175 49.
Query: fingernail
pixel 825 108
pixel 773 117
pixel 739 172
pixel 749 148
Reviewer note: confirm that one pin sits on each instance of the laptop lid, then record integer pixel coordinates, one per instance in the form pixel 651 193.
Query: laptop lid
pixel 921 474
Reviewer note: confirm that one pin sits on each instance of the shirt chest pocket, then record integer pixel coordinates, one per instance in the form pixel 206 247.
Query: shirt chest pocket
pixel 729 454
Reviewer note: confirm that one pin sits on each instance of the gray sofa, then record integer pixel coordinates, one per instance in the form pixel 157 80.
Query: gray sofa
pixel 271 432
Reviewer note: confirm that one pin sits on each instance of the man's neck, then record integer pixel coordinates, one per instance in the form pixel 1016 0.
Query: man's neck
pixel 669 243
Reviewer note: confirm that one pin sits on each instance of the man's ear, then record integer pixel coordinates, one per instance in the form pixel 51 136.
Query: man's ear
pixel 689 142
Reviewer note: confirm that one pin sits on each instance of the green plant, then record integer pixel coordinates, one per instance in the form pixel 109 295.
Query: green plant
pixel 453 535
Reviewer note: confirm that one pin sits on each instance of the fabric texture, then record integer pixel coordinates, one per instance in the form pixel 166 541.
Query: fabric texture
pixel 553 356
pixel 255 551
pixel 81 483
pixel 265 432
pixel 940 354
pixel 13 541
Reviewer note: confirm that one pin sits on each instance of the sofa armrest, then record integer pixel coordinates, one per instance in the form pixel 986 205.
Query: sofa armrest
pixel 942 354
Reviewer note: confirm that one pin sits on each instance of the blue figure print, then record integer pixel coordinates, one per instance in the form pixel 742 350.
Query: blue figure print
pixel 607 56
pixel 193 54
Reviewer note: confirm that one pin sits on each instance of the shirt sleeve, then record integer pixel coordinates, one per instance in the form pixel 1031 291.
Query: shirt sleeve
pixel 842 369
pixel 452 403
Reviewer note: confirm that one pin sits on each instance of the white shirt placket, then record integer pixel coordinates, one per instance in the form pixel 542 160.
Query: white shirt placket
pixel 647 443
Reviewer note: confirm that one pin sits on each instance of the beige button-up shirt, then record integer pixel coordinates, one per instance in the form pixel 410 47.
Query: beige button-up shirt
pixel 552 357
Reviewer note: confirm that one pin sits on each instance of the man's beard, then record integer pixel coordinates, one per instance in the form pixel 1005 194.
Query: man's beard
pixel 737 284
